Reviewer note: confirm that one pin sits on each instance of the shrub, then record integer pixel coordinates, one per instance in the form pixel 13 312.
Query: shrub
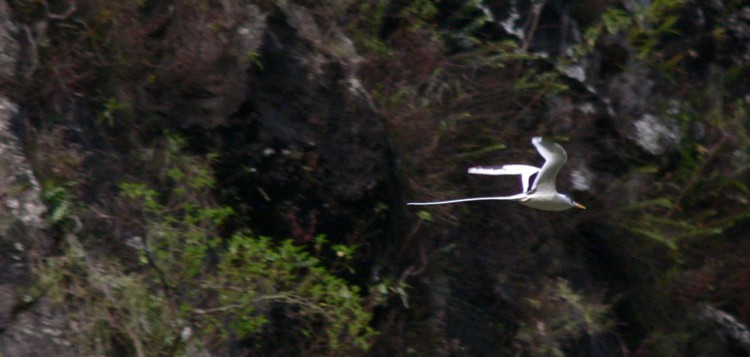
pixel 191 288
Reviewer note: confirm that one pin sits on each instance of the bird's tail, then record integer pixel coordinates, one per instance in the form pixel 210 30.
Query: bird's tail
pixel 505 198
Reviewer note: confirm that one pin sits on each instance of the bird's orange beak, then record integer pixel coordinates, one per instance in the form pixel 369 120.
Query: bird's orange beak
pixel 579 205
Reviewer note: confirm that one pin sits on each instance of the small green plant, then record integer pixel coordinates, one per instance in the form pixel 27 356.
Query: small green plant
pixel 365 27
pixel 108 307
pixel 420 12
pixel 256 274
pixel 559 315
pixel 111 109
pixel 58 200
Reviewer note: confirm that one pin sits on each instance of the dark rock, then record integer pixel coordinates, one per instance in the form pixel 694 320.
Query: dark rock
pixel 308 151
pixel 725 330
pixel 204 75
pixel 40 331
pixel 37 330
pixel 9 47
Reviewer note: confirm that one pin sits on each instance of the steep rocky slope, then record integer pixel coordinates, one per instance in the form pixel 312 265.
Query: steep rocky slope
pixel 229 178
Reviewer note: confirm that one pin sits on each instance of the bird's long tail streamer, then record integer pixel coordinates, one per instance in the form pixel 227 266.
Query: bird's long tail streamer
pixel 506 198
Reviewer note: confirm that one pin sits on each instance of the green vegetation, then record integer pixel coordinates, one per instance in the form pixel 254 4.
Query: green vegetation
pixel 560 315
pixel 176 299
pixel 696 203
pixel 148 261
pixel 647 29
pixel 679 210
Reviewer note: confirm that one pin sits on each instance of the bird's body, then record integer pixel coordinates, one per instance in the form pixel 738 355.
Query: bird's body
pixel 542 195
pixel 549 202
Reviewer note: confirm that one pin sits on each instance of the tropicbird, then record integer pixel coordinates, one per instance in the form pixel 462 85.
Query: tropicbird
pixel 542 195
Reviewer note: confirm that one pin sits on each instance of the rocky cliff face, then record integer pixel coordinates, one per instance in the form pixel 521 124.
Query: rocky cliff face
pixel 313 152
pixel 319 120
pixel 26 328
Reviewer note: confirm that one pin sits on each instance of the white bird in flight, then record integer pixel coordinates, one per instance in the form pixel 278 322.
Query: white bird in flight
pixel 543 195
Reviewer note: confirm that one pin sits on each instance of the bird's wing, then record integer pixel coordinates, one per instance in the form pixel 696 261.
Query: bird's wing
pixel 554 158
pixel 505 198
pixel 525 171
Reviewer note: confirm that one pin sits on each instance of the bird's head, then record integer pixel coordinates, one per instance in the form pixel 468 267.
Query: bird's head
pixel 574 203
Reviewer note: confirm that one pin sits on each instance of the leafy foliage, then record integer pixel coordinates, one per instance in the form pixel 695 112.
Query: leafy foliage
pixel 648 30
pixel 177 298
pixel 561 316
pixel 187 278
pixel 682 212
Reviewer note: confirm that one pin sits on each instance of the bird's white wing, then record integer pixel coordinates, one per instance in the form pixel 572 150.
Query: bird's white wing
pixel 525 171
pixel 501 198
pixel 555 157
